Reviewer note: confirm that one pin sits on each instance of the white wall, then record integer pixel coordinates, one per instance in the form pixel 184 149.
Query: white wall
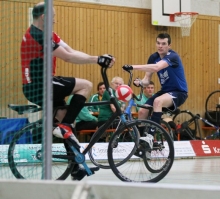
pixel 128 3
pixel 24 189
pixel 204 7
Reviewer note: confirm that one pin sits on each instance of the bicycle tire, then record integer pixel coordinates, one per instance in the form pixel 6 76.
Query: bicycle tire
pixel 101 152
pixel 185 116
pixel 25 159
pixel 210 107
pixel 102 160
pixel 134 169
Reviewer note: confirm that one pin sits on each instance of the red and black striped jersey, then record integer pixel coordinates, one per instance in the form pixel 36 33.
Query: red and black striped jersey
pixel 32 54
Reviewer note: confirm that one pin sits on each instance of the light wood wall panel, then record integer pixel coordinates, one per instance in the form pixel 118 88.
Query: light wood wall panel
pixel 126 33
pixel 14 21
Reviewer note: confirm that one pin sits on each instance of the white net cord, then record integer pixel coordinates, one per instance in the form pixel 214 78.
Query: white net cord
pixel 185 21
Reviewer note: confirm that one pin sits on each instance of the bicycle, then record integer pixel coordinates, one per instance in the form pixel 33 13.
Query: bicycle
pixel 191 125
pixel 212 110
pixel 158 162
pixel 187 125
pixel 165 110
pixel 189 121
pixel 124 140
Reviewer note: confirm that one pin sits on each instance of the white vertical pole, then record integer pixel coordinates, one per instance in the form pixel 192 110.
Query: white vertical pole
pixel 48 91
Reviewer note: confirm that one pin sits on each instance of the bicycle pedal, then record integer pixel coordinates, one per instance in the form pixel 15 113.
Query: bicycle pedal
pixel 157 146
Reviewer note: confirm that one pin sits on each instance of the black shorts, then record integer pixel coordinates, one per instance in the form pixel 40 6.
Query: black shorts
pixel 62 87
pixel 178 98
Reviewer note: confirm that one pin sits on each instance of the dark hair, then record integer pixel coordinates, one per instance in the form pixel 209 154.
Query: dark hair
pixel 163 36
pixel 100 84
pixel 151 83
pixel 37 11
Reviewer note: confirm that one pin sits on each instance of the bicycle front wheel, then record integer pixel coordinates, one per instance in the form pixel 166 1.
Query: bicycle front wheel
pixel 99 155
pixel 26 160
pixel 137 167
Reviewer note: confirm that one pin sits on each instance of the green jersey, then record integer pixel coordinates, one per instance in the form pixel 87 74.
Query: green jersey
pixel 105 111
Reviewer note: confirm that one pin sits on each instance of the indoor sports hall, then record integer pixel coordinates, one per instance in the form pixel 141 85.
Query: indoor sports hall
pixel 45 45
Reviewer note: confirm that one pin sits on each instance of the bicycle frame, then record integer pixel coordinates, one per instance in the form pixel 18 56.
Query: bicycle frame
pixel 80 157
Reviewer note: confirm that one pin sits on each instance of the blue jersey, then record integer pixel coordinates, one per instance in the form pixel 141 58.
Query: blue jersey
pixel 171 78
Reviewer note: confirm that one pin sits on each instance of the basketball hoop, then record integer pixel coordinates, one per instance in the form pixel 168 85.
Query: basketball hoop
pixel 185 19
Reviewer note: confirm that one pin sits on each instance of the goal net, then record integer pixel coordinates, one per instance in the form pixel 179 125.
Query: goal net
pixel 21 144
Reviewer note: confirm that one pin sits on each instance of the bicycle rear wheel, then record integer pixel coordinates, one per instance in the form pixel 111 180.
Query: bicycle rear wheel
pixel 138 168
pixel 25 160
pixel 98 154
pixel 213 115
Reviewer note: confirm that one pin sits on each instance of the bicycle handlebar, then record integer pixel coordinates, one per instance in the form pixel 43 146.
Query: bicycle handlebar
pixel 104 77
pixel 129 84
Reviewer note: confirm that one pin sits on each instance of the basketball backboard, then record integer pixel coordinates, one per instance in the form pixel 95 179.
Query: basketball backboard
pixel 161 10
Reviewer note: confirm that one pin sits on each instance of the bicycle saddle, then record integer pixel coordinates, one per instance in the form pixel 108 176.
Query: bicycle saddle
pixel 21 109
pixel 166 110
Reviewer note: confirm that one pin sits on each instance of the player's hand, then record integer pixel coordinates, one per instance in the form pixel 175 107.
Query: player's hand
pixel 106 61
pixel 127 67
pixel 137 82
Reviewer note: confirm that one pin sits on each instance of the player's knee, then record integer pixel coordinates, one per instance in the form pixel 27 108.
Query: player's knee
pixel 156 101
pixel 89 86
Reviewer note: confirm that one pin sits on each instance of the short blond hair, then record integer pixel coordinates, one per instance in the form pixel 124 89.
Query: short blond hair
pixel 119 78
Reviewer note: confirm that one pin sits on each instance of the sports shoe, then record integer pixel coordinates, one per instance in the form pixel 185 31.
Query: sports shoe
pixel 147 144
pixel 65 131
pixel 80 173
pixel 147 141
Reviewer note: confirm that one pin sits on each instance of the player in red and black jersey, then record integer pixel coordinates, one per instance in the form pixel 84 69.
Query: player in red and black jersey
pixel 32 56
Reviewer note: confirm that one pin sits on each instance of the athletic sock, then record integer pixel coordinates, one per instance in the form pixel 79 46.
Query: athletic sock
pixel 76 104
pixel 156 117
pixel 141 130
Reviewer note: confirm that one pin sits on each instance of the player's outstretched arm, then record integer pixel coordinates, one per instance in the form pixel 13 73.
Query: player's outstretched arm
pixel 75 57
pixel 146 79
pixel 78 57
pixel 147 67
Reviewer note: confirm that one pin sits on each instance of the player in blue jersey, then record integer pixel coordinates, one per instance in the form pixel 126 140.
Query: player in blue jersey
pixel 169 68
